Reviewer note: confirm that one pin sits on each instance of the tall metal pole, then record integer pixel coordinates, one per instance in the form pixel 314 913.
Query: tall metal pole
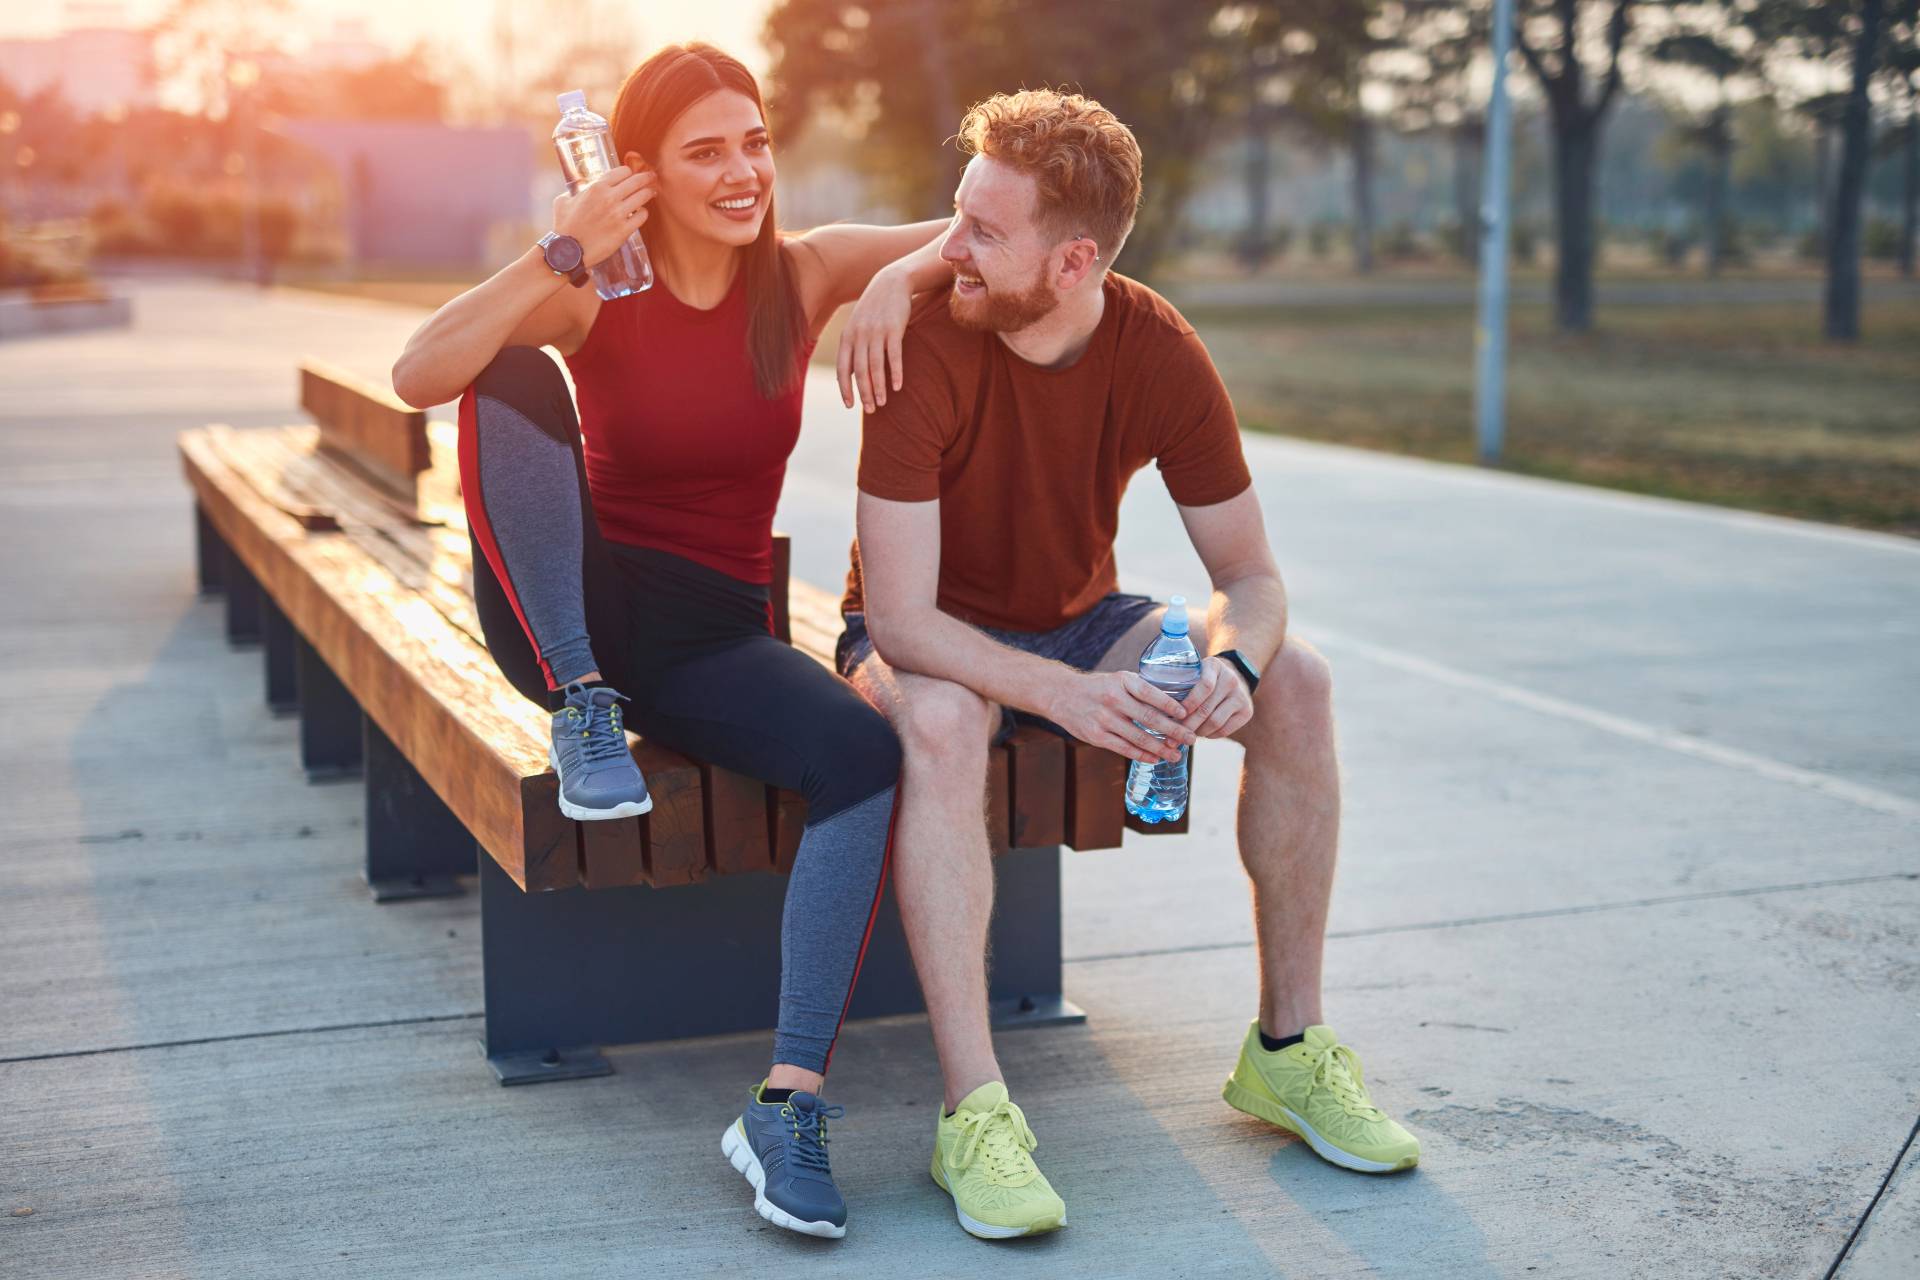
pixel 1496 208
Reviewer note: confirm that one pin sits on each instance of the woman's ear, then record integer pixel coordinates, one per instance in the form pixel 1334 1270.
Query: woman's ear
pixel 633 161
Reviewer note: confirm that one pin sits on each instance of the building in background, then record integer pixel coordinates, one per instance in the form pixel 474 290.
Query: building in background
pixel 98 62
pixel 425 193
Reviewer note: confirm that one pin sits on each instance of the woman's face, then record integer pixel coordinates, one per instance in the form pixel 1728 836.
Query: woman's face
pixel 716 169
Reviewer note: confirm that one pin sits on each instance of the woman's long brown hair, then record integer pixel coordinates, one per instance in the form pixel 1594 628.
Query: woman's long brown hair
pixel 653 97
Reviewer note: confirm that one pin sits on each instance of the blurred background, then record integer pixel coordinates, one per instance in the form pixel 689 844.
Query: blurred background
pixel 1714 203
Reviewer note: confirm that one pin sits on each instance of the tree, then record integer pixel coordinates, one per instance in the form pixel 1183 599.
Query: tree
pixel 1439 94
pixel 209 51
pixel 1577 119
pixel 1842 322
pixel 1903 69
pixel 899 75
pixel 1711 53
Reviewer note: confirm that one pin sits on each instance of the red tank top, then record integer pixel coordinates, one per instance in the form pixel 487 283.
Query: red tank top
pixel 683 452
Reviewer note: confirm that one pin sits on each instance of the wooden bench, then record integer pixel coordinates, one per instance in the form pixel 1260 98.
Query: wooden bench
pixel 342 551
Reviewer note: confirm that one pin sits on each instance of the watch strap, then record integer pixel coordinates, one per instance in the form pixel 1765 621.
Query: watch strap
pixel 1241 665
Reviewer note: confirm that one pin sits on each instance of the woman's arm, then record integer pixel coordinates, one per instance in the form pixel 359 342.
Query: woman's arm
pixel 525 303
pixel 835 264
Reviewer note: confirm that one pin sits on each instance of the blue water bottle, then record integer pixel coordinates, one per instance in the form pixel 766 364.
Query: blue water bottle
pixel 1158 792
pixel 585 145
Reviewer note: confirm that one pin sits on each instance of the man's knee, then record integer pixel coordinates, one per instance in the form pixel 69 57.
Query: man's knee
pixel 1295 698
pixel 527 380
pixel 941 722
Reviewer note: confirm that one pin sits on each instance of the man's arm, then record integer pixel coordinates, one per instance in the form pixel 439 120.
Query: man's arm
pixel 1248 610
pixel 900 565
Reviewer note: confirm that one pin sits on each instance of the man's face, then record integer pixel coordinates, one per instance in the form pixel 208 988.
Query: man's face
pixel 1001 260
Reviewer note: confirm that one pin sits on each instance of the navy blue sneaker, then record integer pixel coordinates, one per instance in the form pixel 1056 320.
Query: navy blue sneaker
pixel 781 1148
pixel 598 778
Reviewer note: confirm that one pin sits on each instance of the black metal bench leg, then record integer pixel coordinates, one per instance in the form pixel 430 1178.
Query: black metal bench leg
pixel 243 602
pixel 329 718
pixel 209 550
pixel 1024 942
pixel 277 651
pixel 566 972
pixel 415 845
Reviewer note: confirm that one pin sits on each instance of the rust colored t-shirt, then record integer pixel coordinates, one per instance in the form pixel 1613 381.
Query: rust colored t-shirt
pixel 1029 463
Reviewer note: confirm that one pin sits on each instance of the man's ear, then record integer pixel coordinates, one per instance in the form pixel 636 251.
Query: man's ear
pixel 1076 262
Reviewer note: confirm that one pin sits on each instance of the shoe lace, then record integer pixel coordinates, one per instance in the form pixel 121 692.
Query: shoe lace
pixel 603 733
pixel 807 1136
pixel 1001 1135
pixel 1337 1070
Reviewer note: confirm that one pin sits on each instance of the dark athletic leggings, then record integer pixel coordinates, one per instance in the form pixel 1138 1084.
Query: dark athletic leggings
pixel 693 649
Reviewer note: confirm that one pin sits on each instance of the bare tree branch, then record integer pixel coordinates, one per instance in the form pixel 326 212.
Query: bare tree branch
pixel 1616 37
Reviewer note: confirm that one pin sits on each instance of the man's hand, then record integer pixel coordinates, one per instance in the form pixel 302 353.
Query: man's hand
pixel 1220 703
pixel 1107 708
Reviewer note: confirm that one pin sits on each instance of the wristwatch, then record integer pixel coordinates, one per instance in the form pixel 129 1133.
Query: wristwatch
pixel 564 257
pixel 1243 666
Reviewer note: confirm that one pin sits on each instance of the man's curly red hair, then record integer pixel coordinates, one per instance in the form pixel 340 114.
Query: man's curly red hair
pixel 1085 163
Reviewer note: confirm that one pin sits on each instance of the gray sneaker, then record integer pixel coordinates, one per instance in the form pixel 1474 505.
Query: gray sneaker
pixel 598 778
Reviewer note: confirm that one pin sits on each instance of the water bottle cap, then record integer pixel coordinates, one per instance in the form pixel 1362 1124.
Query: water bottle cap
pixel 573 100
pixel 1175 623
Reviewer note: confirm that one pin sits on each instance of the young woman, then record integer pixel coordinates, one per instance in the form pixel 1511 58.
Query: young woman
pixel 621 561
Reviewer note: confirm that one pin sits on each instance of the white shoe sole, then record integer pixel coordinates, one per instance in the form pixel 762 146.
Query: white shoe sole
pixel 987 1230
pixel 739 1153
pixel 1240 1098
pixel 579 813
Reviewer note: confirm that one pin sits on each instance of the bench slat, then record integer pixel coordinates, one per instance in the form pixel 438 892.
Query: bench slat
pixel 1037 766
pixel 612 854
pixel 736 814
pixel 1095 797
pixel 675 832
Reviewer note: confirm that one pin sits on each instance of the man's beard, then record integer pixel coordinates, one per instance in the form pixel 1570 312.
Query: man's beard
pixel 1005 312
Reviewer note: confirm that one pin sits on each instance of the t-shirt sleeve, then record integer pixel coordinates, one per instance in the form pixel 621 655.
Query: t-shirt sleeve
pixel 901 442
pixel 1199 453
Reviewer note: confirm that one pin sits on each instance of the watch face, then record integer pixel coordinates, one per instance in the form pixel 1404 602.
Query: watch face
pixel 563 253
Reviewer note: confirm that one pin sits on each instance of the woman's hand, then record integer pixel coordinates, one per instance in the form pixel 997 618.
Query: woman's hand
pixel 870 344
pixel 602 214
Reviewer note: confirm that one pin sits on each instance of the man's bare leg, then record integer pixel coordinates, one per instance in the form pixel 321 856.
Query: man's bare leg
pixel 1289 820
pixel 942 866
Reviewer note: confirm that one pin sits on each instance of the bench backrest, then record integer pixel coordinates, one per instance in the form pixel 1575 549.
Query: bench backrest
pixel 367 423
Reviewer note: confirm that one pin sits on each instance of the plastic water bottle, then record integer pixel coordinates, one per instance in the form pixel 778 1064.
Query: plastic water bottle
pixel 1158 792
pixel 585 145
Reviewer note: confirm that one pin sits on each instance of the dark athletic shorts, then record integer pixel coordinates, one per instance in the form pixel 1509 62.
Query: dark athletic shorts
pixel 1081 644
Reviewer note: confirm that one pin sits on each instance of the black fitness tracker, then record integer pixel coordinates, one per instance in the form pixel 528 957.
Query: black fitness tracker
pixel 1244 667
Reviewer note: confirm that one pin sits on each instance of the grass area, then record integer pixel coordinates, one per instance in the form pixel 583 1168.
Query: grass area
pixel 1738 405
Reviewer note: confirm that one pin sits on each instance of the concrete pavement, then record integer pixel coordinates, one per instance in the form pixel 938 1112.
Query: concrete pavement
pixel 1627 929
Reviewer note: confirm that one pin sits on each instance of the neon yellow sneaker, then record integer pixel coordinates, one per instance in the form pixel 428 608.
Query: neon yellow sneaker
pixel 981 1158
pixel 1315 1089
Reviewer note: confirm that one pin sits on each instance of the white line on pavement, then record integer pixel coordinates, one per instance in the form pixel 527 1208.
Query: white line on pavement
pixel 1679 743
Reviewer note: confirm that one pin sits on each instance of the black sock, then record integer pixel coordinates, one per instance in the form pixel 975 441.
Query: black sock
pixel 557 698
pixel 776 1095
pixel 1271 1045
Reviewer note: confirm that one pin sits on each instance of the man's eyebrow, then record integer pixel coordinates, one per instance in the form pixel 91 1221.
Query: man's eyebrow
pixel 756 131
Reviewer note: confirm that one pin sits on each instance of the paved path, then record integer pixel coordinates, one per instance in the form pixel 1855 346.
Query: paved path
pixel 1628 925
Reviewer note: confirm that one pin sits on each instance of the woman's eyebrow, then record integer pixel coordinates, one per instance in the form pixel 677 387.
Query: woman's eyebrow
pixel 754 132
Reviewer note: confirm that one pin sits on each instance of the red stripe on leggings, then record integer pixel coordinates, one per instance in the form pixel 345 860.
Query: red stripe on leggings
pixel 483 527
pixel 873 913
